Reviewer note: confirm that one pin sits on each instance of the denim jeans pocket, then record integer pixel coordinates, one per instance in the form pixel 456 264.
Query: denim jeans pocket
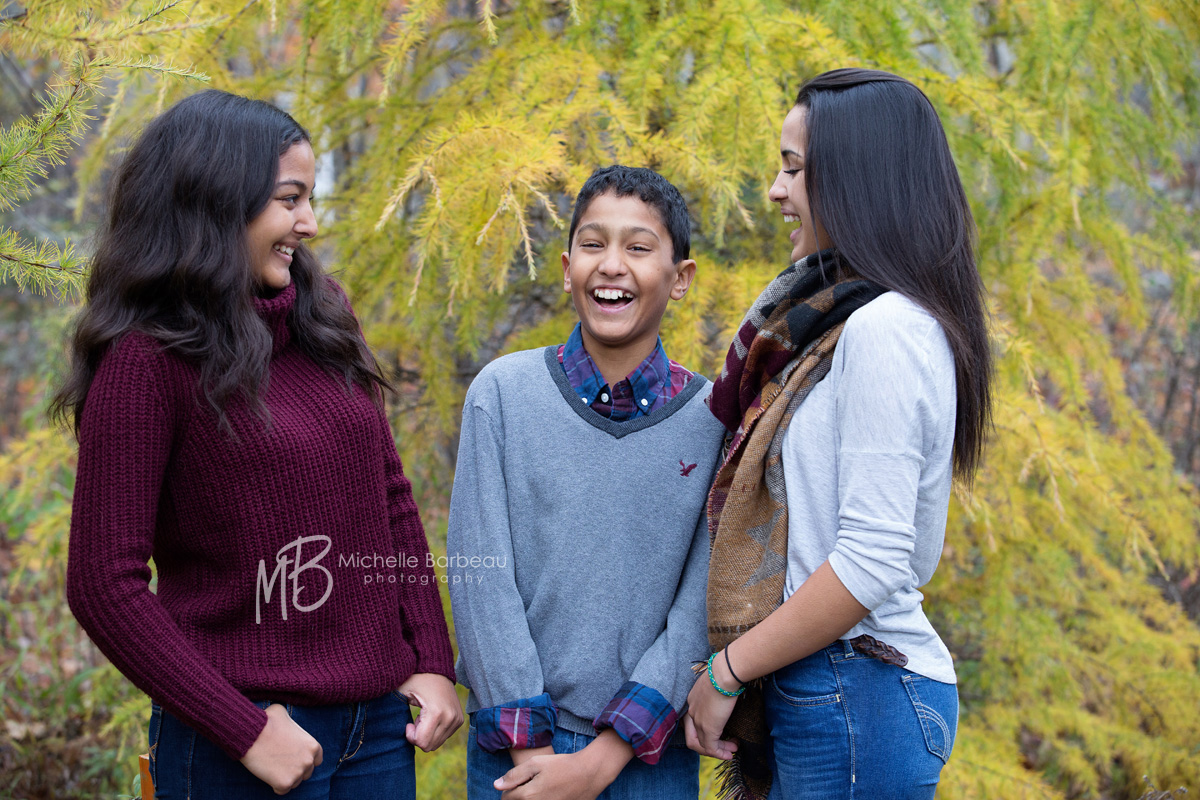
pixel 405 711
pixel 156 713
pixel 939 738
pixel 808 682
pixel 265 704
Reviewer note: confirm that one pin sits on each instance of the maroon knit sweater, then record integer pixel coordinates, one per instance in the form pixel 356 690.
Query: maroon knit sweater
pixel 231 623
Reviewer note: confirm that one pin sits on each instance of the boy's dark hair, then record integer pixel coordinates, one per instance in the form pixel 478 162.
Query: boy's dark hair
pixel 652 189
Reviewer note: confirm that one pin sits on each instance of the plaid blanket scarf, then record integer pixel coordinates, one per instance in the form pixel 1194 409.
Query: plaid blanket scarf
pixel 783 348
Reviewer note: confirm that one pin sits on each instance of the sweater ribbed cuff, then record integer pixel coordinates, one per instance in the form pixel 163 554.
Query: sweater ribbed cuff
pixel 238 729
pixel 435 655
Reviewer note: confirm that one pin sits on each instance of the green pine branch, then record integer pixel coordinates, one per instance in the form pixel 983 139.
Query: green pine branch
pixel 42 266
pixel 32 146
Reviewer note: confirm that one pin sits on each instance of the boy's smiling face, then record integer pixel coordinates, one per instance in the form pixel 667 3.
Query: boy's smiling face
pixel 620 273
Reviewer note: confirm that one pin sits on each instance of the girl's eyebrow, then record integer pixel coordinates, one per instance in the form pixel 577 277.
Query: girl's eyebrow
pixel 786 153
pixel 301 185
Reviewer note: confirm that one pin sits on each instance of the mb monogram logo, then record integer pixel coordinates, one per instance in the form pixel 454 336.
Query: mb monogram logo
pixel 291 555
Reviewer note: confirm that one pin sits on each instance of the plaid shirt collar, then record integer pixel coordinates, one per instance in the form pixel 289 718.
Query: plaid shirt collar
pixel 641 392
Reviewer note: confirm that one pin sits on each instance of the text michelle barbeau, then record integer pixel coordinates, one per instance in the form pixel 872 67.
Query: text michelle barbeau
pixel 299 563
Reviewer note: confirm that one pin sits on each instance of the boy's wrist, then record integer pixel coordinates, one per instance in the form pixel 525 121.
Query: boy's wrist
pixel 520 756
pixel 606 756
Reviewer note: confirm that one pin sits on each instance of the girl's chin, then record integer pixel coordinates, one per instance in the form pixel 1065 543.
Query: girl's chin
pixel 274 281
pixel 802 249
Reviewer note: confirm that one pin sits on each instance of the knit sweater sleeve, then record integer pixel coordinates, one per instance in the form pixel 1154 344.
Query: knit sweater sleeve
pixel 645 711
pixel 125 441
pixel 424 620
pixel 498 653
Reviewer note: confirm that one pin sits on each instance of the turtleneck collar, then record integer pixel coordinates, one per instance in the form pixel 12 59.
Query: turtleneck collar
pixel 274 312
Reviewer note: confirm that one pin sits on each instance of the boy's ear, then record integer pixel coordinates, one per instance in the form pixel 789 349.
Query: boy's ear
pixel 685 271
pixel 566 261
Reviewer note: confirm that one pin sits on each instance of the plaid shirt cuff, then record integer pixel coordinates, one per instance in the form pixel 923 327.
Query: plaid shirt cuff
pixel 519 725
pixel 642 717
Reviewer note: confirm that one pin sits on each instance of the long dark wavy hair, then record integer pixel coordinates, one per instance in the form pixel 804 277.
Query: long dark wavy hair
pixel 172 261
pixel 881 180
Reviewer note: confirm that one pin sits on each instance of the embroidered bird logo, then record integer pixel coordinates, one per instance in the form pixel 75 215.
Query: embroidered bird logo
pixel 685 469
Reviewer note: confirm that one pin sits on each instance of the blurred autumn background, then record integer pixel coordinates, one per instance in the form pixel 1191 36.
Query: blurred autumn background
pixel 451 137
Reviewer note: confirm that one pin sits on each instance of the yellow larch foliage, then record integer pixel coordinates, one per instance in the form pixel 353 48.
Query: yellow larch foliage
pixel 452 142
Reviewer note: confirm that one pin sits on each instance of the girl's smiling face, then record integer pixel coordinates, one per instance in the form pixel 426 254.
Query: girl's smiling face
pixel 789 190
pixel 287 219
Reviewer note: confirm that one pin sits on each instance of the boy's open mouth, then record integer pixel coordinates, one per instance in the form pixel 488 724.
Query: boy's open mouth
pixel 612 298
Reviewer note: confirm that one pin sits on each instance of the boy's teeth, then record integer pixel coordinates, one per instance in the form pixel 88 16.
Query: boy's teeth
pixel 284 249
pixel 611 294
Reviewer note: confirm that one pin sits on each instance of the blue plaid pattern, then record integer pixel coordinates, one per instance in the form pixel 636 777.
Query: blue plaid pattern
pixel 649 387
pixel 642 717
pixel 520 724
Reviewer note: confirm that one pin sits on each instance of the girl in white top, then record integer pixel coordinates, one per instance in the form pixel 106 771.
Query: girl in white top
pixel 855 390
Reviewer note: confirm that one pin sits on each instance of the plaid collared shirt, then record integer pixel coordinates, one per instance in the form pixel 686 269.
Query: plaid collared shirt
pixel 639 714
pixel 522 724
pixel 649 387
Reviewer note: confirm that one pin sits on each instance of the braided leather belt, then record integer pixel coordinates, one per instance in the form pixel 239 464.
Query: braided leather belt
pixel 870 646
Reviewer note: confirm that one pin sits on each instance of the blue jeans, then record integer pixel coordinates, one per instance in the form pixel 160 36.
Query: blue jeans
pixel 676 776
pixel 365 756
pixel 844 724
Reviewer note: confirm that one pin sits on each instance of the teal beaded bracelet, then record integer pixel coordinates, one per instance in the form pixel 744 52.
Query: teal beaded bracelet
pixel 712 679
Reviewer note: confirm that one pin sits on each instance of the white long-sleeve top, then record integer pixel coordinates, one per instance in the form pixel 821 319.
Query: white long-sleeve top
pixel 867 466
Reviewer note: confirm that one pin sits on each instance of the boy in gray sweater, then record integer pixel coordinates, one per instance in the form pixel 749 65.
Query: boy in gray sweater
pixel 578 544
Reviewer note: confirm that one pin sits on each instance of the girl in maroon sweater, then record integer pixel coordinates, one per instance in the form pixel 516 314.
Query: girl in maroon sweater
pixel 231 427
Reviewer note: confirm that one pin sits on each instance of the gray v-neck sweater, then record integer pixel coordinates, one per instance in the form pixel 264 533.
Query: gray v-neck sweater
pixel 591 540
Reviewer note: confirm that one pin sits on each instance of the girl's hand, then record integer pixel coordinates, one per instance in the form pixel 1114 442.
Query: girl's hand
pixel 284 754
pixel 708 711
pixel 441 714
